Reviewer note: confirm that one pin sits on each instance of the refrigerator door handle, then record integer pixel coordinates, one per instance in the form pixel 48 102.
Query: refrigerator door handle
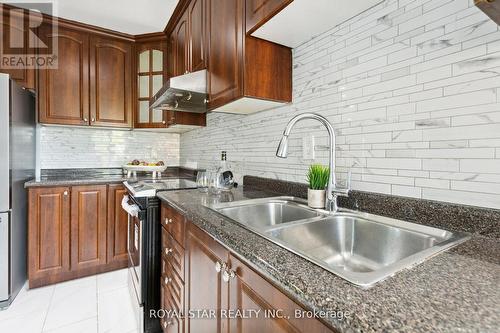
pixel 4 143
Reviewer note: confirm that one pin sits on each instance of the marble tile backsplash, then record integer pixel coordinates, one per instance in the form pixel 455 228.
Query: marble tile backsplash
pixel 70 147
pixel 413 90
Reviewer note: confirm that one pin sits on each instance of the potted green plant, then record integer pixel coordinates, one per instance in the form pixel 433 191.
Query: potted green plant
pixel 317 177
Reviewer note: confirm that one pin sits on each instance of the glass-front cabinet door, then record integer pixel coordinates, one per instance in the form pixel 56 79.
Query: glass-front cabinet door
pixel 151 74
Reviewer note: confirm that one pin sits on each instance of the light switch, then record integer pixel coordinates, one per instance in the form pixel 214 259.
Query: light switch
pixel 308 147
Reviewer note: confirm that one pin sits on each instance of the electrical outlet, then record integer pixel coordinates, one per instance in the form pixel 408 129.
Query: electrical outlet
pixel 308 147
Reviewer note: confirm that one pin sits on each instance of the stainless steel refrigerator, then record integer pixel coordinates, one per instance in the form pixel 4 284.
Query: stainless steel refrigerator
pixel 17 165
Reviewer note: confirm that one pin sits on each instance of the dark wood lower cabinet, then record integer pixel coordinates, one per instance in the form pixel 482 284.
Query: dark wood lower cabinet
pixel 117 227
pixel 75 232
pixel 218 283
pixel 276 312
pixel 48 235
pixel 88 227
pixel 205 289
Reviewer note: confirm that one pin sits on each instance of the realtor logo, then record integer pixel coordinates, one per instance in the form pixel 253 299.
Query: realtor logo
pixel 27 32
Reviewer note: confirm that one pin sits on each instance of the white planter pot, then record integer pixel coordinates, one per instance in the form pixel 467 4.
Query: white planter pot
pixel 316 198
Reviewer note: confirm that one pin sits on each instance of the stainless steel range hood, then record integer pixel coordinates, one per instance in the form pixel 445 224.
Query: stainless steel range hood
pixel 186 93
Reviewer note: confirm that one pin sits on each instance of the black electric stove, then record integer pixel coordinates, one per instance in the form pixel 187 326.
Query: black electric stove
pixel 144 245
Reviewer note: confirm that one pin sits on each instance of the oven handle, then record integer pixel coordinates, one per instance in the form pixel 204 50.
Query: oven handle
pixel 132 210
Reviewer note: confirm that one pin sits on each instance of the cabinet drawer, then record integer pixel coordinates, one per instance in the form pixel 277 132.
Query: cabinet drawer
pixel 172 322
pixel 173 253
pixel 174 287
pixel 174 223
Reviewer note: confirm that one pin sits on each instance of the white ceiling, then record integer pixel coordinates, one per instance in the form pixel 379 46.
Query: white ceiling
pixel 303 20
pixel 128 16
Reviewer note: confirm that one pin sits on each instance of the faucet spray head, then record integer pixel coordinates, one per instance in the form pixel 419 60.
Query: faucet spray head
pixel 282 151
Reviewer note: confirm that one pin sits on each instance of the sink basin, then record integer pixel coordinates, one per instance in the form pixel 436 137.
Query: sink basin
pixel 361 248
pixel 263 213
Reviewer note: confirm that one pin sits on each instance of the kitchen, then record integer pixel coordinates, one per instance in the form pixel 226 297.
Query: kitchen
pixel 250 165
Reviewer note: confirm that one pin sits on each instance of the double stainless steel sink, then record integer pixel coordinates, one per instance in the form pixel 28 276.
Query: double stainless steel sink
pixel 359 247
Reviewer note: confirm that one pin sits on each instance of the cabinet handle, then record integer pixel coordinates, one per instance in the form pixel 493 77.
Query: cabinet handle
pixel 167 280
pixel 228 275
pixel 168 251
pixel 168 221
pixel 220 267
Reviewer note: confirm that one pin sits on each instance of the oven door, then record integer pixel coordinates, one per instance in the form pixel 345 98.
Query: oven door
pixel 134 246
pixel 134 253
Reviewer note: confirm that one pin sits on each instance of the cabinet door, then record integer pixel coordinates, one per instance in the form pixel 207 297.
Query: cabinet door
pixel 181 44
pixel 15 42
pixel 249 291
pixel 204 286
pixel 48 235
pixel 186 118
pixel 63 93
pixel 259 12
pixel 110 82
pixel 117 227
pixel 225 61
pixel 151 75
pixel 197 33
pixel 88 227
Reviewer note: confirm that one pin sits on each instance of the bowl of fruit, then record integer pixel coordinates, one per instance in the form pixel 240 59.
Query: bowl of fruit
pixel 136 165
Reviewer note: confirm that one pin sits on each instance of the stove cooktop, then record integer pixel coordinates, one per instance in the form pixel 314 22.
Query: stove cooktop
pixel 149 188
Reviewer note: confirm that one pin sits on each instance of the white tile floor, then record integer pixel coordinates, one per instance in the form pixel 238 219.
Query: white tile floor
pixel 95 304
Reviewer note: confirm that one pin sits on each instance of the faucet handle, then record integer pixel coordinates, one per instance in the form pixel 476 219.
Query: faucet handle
pixel 341 192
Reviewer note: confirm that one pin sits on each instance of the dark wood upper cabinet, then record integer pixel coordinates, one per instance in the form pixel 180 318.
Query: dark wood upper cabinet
pixel 187 39
pixel 151 74
pixel 225 62
pixel 259 12
pixel 92 85
pixel 246 74
pixel 88 227
pixel 110 82
pixel 63 93
pixel 490 8
pixel 181 46
pixel 117 227
pixel 197 34
pixel 48 234
pixel 15 41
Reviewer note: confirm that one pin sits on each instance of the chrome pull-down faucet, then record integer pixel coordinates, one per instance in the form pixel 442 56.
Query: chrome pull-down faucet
pixel 332 191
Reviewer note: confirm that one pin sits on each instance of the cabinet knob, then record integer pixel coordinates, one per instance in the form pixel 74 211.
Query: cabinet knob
pixel 168 221
pixel 164 122
pixel 167 280
pixel 168 251
pixel 65 193
pixel 228 275
pixel 220 266
pixel 186 72
pixel 86 120
pixel 93 119
pixel 167 324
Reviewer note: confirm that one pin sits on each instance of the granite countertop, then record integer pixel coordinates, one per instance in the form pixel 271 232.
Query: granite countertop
pixel 68 177
pixel 455 291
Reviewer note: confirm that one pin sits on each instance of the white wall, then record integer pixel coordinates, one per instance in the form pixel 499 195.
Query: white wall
pixel 70 147
pixel 413 90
